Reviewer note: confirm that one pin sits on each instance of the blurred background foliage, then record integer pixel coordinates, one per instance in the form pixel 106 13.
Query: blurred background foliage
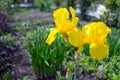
pixel 112 17
pixel 81 7
pixel 5 6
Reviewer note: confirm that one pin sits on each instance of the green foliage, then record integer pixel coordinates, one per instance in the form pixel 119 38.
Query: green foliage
pixel 43 5
pixel 110 67
pixel 114 42
pixel 8 39
pixel 22 26
pixel 7 76
pixel 18 1
pixel 84 5
pixel 87 64
pixel 25 78
pixel 46 59
pixel 113 5
pixel 5 6
pixel 86 49
pixel 37 22
pixel 112 17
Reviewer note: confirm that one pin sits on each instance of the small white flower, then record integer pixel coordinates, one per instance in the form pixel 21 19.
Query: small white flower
pixel 77 11
pixel 101 8
pixel 99 12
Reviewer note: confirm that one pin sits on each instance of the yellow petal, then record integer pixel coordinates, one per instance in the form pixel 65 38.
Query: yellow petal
pixel 98 52
pixel 96 32
pixel 61 19
pixel 75 38
pixel 74 19
pixel 51 37
pixel 60 16
pixel 80 48
pixel 65 28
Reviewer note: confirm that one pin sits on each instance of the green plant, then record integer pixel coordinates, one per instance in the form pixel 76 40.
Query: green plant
pixel 37 22
pixel 111 67
pixel 22 26
pixel 114 42
pixel 86 49
pixel 112 16
pixel 5 6
pixel 8 39
pixel 43 5
pixel 46 59
pixel 7 76
pixel 59 76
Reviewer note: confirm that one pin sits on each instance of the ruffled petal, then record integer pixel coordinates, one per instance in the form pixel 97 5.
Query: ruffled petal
pixel 61 19
pixel 51 37
pixel 96 32
pixel 74 19
pixel 60 15
pixel 98 52
pixel 75 38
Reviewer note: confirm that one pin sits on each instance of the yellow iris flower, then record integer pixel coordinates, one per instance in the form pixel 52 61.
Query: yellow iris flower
pixel 63 24
pixel 96 35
